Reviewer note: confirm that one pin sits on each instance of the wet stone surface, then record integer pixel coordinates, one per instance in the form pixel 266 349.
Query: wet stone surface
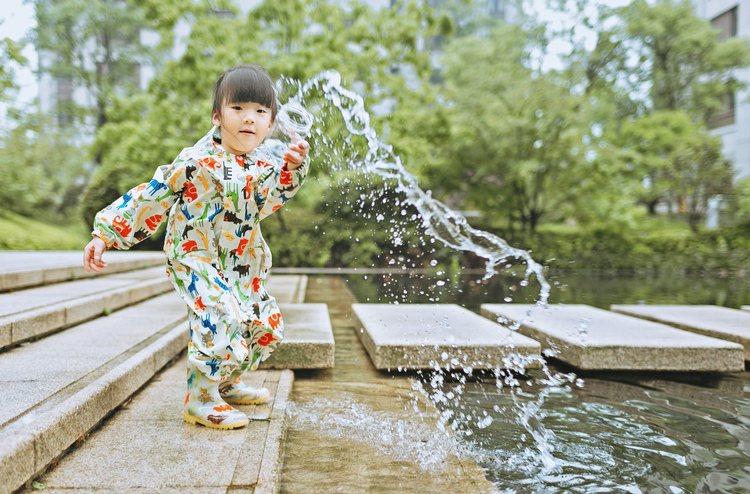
pixel 356 429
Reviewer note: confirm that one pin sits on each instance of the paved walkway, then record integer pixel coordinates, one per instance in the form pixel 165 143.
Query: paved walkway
pixel 355 429
pixel 146 447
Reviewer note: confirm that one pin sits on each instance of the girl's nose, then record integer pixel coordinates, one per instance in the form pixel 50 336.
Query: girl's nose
pixel 249 117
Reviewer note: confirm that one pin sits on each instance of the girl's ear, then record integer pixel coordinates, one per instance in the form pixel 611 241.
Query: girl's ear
pixel 215 118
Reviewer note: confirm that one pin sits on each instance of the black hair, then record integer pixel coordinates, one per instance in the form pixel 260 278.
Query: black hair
pixel 247 82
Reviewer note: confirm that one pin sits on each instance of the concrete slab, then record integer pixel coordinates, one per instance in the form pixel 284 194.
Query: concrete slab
pixel 68 415
pixel 710 320
pixel 595 339
pixel 308 339
pixel 38 311
pixel 288 289
pixel 418 336
pixel 36 371
pixel 23 269
pixel 137 451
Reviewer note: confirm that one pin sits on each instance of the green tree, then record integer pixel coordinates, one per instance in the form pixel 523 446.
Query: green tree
pixel 370 49
pixel 10 57
pixel 649 143
pixel 43 173
pixel 96 45
pixel 663 57
pixel 520 143
pixel 698 172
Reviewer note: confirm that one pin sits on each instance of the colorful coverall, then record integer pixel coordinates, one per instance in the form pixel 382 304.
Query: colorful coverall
pixel 217 258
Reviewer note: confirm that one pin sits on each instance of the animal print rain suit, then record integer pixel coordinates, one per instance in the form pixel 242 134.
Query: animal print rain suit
pixel 217 258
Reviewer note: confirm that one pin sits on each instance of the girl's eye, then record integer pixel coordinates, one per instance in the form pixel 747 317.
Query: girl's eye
pixel 238 108
pixel 261 110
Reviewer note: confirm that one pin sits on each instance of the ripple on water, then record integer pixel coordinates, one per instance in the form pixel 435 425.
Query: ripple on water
pixel 660 443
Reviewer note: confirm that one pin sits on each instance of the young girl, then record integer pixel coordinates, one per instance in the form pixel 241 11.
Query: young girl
pixel 215 194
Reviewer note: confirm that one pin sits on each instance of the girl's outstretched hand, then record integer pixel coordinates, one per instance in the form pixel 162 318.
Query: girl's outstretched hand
pixel 296 154
pixel 92 255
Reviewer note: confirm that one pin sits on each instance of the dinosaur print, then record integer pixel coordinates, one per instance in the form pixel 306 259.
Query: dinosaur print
pixel 215 251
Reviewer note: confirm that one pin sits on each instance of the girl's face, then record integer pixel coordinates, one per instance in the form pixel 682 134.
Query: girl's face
pixel 243 125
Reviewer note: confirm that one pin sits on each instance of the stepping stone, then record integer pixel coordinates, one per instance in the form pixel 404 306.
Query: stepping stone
pixel 425 336
pixel 710 320
pixel 596 339
pixel 308 339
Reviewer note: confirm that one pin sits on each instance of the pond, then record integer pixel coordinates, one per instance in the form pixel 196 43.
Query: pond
pixel 595 431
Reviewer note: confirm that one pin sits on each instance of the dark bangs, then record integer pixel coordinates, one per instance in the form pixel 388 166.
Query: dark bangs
pixel 242 84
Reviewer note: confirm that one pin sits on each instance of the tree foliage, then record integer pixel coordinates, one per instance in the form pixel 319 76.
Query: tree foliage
pixel 97 45
pixel 366 47
pixel 663 57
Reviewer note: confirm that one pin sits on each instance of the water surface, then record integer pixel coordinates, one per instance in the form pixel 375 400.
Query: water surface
pixel 600 431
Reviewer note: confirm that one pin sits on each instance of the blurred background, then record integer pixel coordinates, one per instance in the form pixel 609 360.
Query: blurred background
pixel 604 136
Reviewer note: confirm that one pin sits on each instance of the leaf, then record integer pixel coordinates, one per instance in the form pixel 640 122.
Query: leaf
pixel 38 485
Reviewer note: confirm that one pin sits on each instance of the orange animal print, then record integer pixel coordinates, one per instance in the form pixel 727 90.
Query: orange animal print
pixel 241 247
pixel 190 193
pixel 190 246
pixel 210 162
pixel 256 284
pixel 199 305
pixel 285 177
pixel 121 225
pixel 266 339
pixel 274 320
pixel 153 222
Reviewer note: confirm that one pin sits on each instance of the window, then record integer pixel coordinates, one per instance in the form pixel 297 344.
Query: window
pixel 725 115
pixel 726 23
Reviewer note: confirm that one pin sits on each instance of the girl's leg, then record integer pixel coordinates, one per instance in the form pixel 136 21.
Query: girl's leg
pixel 204 405
pixel 262 335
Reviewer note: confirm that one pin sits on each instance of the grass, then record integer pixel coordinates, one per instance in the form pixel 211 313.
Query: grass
pixel 22 233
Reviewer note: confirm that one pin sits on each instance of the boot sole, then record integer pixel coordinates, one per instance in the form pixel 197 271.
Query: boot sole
pixel 256 401
pixel 195 420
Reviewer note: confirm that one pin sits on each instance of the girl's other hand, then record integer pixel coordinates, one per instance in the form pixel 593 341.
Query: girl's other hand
pixel 92 255
pixel 296 154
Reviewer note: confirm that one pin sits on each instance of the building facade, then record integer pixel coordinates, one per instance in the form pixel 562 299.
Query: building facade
pixel 732 18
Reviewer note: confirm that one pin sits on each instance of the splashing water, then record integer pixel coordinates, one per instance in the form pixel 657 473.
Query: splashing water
pixel 440 222
pixel 452 229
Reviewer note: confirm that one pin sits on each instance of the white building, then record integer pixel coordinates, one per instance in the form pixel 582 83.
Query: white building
pixel 732 17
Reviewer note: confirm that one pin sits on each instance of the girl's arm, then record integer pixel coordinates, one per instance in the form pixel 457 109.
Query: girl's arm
pixel 139 212
pixel 285 182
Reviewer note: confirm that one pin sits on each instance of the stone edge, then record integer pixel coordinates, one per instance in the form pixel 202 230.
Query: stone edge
pixel 378 353
pixel 299 296
pixel 578 356
pixel 269 477
pixel 16 280
pixel 719 335
pixel 44 441
pixel 33 323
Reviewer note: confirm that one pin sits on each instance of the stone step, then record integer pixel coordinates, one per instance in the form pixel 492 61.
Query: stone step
pixel 308 339
pixel 596 339
pixel 145 446
pixel 24 269
pixel 425 336
pixel 35 312
pixel 57 389
pixel 710 320
pixel 287 288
